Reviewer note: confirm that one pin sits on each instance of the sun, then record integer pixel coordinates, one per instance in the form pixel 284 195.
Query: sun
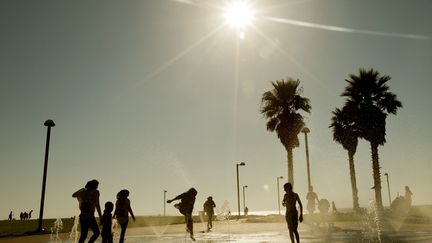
pixel 239 14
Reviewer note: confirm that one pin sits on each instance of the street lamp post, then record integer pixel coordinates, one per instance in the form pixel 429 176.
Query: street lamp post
pixel 244 200
pixel 238 189
pixel 306 130
pixel 277 179
pixel 48 124
pixel 164 201
pixel 388 188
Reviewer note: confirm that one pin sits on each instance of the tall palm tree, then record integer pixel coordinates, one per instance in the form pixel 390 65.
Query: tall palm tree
pixel 369 95
pixel 281 107
pixel 345 133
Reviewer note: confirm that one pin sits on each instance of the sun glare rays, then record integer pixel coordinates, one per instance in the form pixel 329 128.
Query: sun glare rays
pixel 289 56
pixel 174 59
pixel 343 29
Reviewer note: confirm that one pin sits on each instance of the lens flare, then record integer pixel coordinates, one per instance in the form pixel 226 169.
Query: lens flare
pixel 239 14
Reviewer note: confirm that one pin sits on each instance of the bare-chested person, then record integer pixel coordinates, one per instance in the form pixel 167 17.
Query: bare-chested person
pixel 88 199
pixel 291 214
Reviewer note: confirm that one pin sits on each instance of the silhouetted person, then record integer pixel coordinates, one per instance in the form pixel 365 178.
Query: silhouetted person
pixel 29 214
pixel 324 208
pixel 246 211
pixel 209 209
pixel 186 206
pixel 25 216
pixel 21 216
pixel 106 222
pixel 334 209
pixel 408 196
pixel 10 215
pixel 312 200
pixel 291 215
pixel 122 211
pixel 88 199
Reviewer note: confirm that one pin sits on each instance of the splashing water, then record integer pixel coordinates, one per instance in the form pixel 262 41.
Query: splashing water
pixel 55 229
pixel 372 230
pixel 224 212
pixel 115 229
pixel 73 236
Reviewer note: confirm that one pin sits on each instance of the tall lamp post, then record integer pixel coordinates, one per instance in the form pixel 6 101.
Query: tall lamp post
pixel 388 188
pixel 48 124
pixel 277 179
pixel 244 200
pixel 238 189
pixel 306 130
pixel 164 201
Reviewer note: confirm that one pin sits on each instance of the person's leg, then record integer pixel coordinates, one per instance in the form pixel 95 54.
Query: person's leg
pixel 295 226
pixel 123 231
pixel 189 222
pixel 211 220
pixel 297 236
pixel 186 222
pixel 84 225
pixel 291 235
pixel 95 228
pixel 289 220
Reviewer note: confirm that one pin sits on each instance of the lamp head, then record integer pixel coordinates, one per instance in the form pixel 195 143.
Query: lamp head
pixel 49 123
pixel 305 130
pixel 242 164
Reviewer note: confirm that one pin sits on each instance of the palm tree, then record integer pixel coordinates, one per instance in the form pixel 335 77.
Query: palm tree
pixel 369 96
pixel 345 133
pixel 281 107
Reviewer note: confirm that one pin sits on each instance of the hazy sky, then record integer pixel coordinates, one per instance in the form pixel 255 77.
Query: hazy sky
pixel 153 95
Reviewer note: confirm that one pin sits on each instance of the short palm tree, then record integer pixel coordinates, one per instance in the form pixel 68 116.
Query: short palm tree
pixel 369 95
pixel 281 107
pixel 346 134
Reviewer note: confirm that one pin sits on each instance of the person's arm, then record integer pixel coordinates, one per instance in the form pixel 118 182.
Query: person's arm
pixel 176 198
pixel 98 205
pixel 301 209
pixel 78 193
pixel 115 211
pixel 130 211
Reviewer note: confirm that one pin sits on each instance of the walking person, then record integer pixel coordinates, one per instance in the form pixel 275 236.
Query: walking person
pixel 88 199
pixel 106 222
pixel 312 200
pixel 10 215
pixel 291 215
pixel 122 211
pixel 209 206
pixel 186 207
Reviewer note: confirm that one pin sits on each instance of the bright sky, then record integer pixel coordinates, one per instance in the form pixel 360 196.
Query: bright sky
pixel 161 95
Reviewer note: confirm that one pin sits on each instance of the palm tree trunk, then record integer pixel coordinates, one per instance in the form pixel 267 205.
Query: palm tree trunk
pixel 290 167
pixel 376 176
pixel 353 181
